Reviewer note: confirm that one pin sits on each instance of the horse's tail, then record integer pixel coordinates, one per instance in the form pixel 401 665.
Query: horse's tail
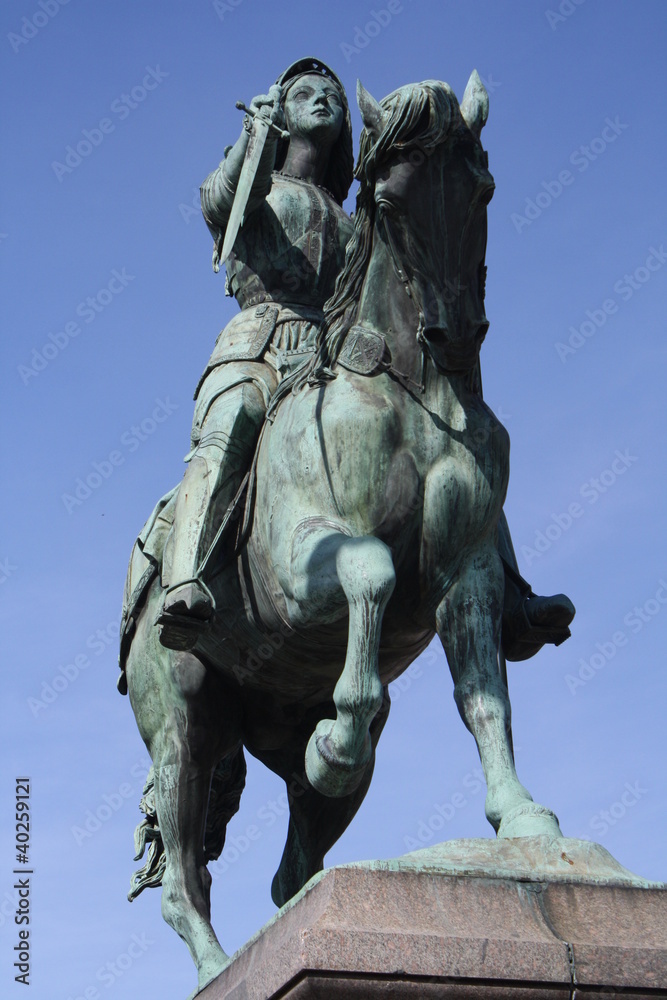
pixel 150 875
pixel 226 786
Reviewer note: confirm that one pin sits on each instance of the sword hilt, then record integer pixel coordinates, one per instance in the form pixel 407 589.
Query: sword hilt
pixel 253 114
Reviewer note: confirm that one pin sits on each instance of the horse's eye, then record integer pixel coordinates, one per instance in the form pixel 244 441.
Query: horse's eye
pixel 385 206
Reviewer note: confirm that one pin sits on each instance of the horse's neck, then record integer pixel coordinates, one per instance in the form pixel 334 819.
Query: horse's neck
pixel 384 305
pixel 386 308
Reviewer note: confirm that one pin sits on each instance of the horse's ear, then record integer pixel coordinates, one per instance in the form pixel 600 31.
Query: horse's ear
pixel 475 104
pixel 372 114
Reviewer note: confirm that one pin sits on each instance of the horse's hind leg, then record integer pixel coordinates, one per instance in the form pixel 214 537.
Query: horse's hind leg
pixel 182 788
pixel 316 821
pixel 358 571
pixel 188 722
pixel 468 623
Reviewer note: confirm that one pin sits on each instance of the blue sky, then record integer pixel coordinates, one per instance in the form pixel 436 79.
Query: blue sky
pixel 111 310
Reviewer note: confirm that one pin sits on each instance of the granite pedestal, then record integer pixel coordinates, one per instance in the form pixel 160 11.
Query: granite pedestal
pixel 437 924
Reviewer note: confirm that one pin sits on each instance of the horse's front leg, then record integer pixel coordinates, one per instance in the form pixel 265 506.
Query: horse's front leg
pixel 468 622
pixel 330 569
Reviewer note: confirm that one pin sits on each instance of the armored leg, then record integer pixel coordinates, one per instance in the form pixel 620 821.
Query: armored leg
pixel 229 415
pixel 529 621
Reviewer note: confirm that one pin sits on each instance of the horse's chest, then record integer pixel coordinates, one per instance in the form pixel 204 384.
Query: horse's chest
pixel 358 438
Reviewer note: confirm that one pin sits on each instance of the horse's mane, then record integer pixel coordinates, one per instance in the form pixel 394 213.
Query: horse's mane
pixel 418 116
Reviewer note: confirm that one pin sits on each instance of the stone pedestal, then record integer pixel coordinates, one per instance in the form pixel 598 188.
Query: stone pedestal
pixel 413 929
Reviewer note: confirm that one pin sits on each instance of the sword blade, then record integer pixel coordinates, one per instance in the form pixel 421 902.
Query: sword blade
pixel 253 154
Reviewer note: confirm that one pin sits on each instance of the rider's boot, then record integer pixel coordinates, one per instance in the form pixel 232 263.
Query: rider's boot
pixel 529 620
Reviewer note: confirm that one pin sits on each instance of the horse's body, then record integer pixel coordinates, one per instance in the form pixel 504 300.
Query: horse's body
pixel 376 513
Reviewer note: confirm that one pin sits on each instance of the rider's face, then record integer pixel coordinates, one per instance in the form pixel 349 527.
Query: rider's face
pixel 314 109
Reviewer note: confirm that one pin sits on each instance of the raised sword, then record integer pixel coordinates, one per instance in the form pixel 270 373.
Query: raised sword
pixel 253 154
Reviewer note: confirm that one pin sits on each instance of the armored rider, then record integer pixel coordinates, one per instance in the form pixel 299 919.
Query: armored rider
pixel 281 270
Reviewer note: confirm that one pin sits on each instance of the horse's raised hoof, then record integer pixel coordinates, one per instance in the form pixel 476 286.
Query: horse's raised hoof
pixel 328 772
pixel 529 819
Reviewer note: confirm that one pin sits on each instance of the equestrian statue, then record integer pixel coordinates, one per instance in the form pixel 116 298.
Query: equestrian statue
pixel 342 500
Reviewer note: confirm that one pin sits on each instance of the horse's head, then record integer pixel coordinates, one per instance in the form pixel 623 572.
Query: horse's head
pixel 426 184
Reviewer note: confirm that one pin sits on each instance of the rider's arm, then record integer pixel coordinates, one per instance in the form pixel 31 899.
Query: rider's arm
pixel 218 190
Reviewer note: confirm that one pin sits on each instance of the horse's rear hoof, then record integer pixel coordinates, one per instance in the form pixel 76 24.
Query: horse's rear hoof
pixel 529 820
pixel 328 773
pixel 208 973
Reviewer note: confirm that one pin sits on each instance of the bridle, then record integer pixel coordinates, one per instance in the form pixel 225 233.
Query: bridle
pixel 413 295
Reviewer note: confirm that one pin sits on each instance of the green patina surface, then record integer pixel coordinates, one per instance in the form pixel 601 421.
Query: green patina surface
pixel 342 500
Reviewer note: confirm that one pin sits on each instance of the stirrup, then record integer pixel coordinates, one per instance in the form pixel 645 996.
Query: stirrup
pixel 180 630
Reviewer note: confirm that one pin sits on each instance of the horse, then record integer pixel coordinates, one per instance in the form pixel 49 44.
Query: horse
pixel 371 526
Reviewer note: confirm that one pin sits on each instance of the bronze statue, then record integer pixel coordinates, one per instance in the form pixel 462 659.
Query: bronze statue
pixel 256 597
